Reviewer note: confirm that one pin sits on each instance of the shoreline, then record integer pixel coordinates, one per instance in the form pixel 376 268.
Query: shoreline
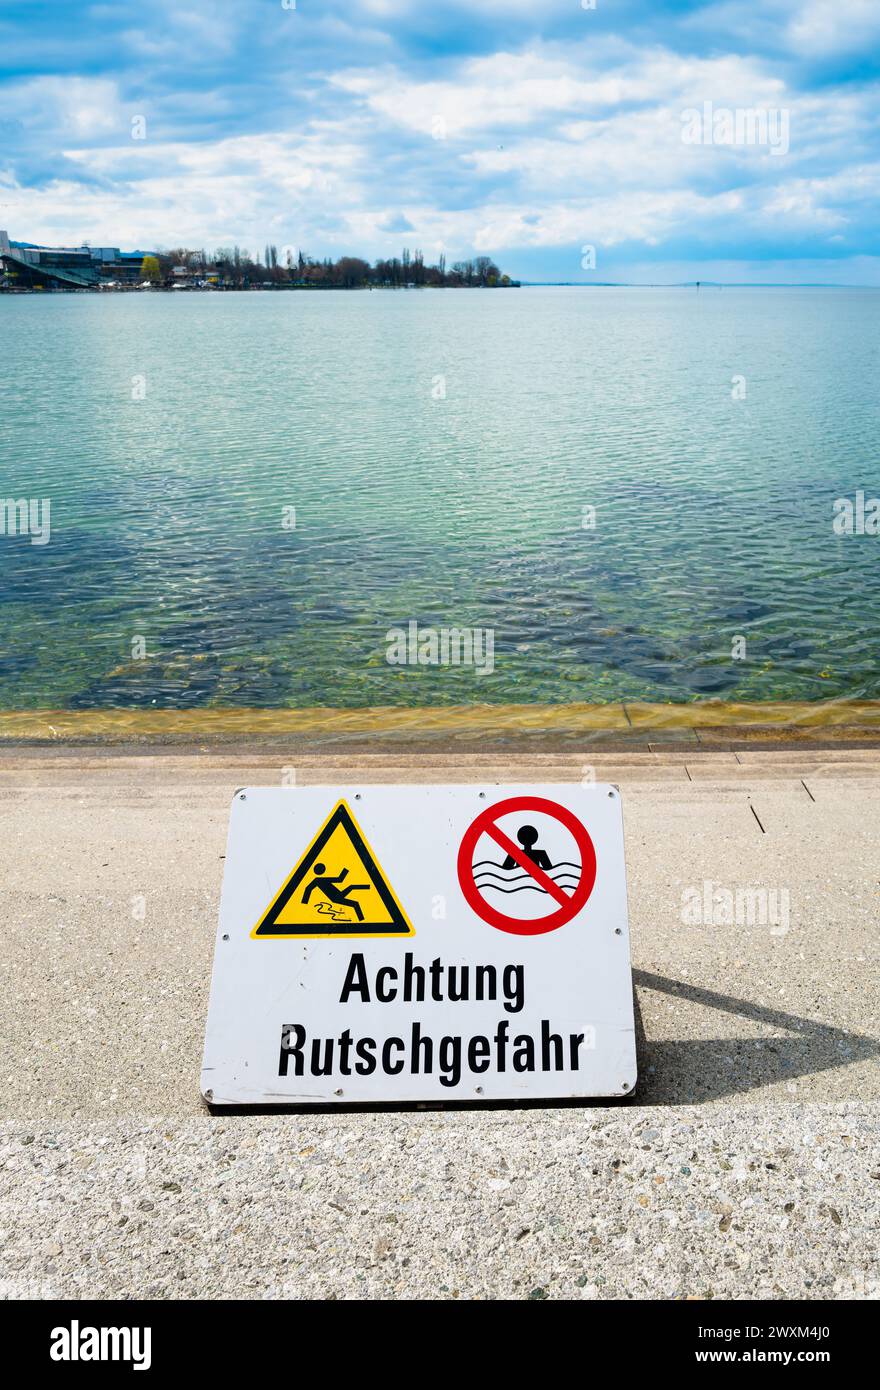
pixel 710 722
pixel 514 284
pixel 243 289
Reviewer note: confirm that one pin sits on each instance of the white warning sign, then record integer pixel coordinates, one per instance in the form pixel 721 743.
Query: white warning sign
pixel 421 943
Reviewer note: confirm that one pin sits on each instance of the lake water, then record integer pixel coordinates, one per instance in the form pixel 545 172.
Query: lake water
pixel 713 514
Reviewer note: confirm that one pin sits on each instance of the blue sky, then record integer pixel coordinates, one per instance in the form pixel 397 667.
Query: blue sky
pixel 522 129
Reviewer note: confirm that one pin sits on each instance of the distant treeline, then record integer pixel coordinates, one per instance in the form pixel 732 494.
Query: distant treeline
pixel 233 266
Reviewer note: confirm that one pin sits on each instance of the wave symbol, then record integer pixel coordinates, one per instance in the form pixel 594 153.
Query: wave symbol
pixel 487 875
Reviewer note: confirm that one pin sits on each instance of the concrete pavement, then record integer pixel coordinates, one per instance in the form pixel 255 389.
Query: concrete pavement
pixel 760 1052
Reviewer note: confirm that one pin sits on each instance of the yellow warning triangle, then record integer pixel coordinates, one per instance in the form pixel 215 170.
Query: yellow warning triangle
pixel 336 889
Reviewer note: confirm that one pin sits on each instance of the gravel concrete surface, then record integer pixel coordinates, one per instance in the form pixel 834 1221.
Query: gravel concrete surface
pixel 747 1165
pixel 669 1203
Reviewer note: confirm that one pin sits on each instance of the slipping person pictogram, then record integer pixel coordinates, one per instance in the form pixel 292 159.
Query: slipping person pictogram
pixel 329 890
pixel 317 898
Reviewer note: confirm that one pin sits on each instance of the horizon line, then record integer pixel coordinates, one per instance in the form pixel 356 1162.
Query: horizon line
pixel 692 284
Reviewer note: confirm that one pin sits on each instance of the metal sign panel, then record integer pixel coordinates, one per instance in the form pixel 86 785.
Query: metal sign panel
pixel 419 943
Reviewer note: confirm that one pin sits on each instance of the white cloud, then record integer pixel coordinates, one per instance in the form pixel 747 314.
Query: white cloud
pixel 516 90
pixel 65 108
pixel 822 28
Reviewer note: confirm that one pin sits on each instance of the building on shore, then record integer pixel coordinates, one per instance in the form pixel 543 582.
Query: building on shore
pixel 25 266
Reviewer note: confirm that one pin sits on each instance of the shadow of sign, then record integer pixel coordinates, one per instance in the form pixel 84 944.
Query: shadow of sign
pixel 689 1070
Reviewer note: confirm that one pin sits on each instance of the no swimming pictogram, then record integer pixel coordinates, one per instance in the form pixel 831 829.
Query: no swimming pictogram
pixel 545 875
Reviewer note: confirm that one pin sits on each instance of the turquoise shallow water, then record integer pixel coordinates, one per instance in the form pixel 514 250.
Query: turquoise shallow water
pixel 713 515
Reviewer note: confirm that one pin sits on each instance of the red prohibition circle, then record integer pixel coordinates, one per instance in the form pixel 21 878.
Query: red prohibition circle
pixel 516 925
